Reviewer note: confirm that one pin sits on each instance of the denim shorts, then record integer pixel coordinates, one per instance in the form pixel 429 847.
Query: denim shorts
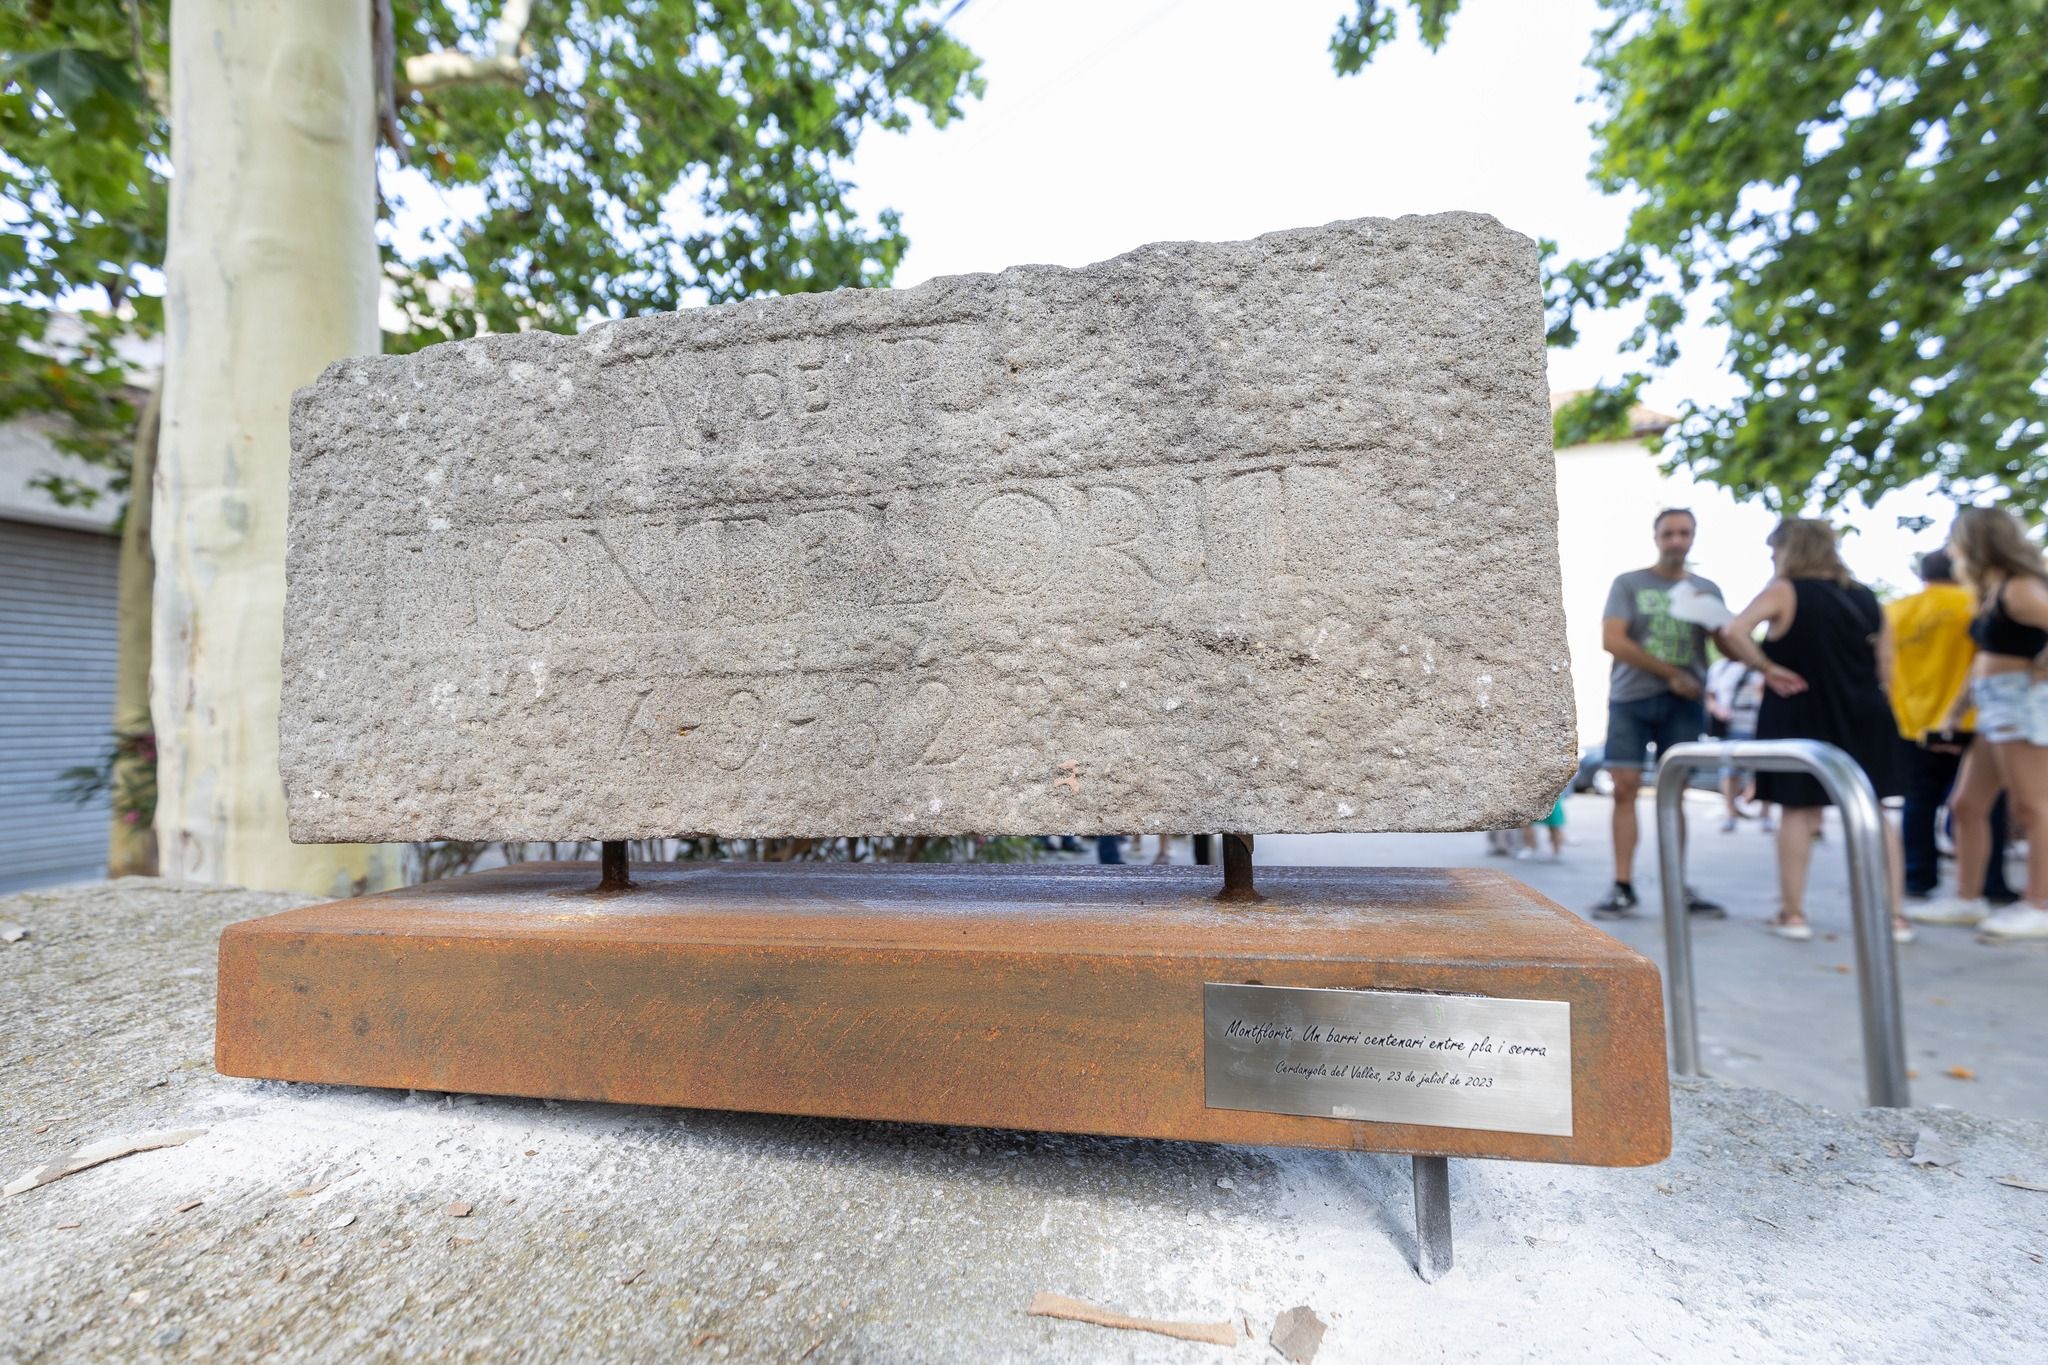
pixel 1650 722
pixel 2011 708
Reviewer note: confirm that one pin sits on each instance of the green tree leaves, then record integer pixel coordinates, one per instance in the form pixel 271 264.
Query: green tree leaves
pixel 653 155
pixel 91 91
pixel 568 160
pixel 1863 185
pixel 83 197
pixel 1374 25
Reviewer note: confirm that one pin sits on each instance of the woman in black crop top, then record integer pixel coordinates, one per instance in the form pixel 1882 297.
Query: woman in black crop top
pixel 2009 688
pixel 1826 661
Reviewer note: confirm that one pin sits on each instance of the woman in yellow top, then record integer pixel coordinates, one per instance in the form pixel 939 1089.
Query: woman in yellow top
pixel 1931 656
pixel 2009 687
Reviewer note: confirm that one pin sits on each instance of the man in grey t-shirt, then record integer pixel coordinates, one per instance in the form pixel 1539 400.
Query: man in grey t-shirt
pixel 1677 649
pixel 1653 697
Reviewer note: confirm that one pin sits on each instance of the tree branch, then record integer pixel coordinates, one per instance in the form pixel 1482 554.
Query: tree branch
pixel 429 70
pixel 383 58
pixel 152 83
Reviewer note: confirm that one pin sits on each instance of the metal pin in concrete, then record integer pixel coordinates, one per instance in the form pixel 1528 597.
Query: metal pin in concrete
pixel 1432 1217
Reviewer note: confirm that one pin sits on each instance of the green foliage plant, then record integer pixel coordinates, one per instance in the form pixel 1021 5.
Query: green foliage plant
pixel 84 190
pixel 125 774
pixel 544 165
pixel 1857 189
pixel 641 155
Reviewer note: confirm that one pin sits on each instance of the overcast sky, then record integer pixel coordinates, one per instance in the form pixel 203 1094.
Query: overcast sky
pixel 1118 122
pixel 1112 123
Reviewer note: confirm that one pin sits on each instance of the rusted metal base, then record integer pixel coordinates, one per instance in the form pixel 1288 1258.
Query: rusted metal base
pixel 1059 998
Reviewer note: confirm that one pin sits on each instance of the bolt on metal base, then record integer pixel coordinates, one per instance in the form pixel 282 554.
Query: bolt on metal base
pixel 1237 869
pixel 612 868
pixel 1432 1217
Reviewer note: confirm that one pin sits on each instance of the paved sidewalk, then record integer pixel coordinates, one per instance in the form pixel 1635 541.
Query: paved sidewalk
pixel 1773 1013
pixel 318 1223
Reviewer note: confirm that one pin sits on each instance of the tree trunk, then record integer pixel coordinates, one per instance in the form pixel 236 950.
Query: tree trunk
pixel 271 274
pixel 131 841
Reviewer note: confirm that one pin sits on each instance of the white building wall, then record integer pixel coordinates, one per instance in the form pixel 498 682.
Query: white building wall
pixel 25 455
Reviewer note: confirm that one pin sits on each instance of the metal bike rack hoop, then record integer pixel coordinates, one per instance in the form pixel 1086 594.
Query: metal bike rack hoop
pixel 1877 965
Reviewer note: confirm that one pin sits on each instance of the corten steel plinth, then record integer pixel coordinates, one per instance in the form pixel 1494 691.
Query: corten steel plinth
pixel 1067 999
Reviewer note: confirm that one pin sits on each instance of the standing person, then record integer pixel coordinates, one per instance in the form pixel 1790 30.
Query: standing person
pixel 1826 660
pixel 1932 652
pixel 1653 694
pixel 1735 692
pixel 1553 822
pixel 1995 558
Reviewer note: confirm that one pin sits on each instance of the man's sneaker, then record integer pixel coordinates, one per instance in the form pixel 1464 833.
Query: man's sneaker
pixel 1700 905
pixel 1953 910
pixel 2013 923
pixel 1620 903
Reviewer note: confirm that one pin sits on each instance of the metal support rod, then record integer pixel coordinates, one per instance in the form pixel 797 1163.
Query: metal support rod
pixel 1432 1175
pixel 612 871
pixel 1877 964
pixel 1201 849
pixel 1237 869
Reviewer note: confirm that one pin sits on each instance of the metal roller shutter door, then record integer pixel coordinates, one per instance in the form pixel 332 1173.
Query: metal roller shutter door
pixel 57 654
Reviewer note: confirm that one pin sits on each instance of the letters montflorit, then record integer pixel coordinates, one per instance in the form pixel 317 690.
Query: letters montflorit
pixel 1252 535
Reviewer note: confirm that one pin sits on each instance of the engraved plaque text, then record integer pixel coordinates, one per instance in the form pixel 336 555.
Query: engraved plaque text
pixel 1447 1061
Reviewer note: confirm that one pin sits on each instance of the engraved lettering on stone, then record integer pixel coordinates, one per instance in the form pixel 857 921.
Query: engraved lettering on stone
pixel 1195 528
pixel 738 733
pixel 1013 540
pixel 764 391
pixel 914 362
pixel 928 720
pixel 1246 540
pixel 1119 528
pixel 861 744
pixel 532 584
pixel 813 394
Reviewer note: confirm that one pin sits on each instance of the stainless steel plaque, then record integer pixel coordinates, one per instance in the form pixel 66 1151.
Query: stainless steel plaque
pixel 1448 1061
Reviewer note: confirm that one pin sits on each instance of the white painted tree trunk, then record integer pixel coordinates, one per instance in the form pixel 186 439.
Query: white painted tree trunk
pixel 271 273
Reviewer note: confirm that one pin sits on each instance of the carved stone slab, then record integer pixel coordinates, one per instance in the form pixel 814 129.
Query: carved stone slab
pixel 1252 535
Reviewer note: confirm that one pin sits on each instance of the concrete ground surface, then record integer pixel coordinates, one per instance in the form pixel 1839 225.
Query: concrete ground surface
pixel 310 1222
pixel 1775 1013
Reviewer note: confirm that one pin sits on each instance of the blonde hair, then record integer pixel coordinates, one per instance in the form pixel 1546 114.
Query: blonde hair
pixel 1992 538
pixel 1806 549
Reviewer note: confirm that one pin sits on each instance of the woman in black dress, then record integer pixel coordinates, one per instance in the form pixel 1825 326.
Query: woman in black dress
pixel 1826 661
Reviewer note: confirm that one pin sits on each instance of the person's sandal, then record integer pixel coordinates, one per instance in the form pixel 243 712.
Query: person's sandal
pixel 1798 930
